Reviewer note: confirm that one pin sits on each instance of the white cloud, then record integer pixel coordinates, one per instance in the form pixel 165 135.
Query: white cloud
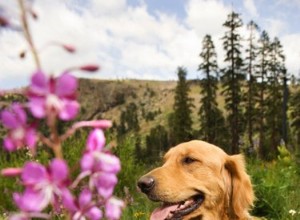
pixel 275 27
pixel 127 41
pixel 206 16
pixel 111 7
pixel 292 52
pixel 251 8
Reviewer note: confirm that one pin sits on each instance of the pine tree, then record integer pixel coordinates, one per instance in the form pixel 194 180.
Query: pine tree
pixel 252 90
pixel 156 143
pixel 132 117
pixel 182 121
pixel 263 68
pixel 211 118
pixel 121 128
pixel 275 112
pixel 128 120
pixel 232 78
pixel 171 130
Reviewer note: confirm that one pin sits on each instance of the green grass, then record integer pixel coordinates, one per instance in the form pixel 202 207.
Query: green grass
pixel 276 183
pixel 277 189
pixel 138 206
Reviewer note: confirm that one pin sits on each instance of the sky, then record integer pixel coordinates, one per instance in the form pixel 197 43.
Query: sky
pixel 141 39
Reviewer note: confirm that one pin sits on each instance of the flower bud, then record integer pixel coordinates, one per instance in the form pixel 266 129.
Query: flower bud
pixel 69 48
pixel 3 22
pixel 11 172
pixel 90 68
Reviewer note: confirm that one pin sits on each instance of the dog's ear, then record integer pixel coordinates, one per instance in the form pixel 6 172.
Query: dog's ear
pixel 242 196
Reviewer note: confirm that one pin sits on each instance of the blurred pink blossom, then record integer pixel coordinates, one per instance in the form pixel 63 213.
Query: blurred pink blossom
pixel 19 132
pixel 50 96
pixel 43 185
pixel 83 207
pixel 113 208
pixel 104 183
pixel 101 166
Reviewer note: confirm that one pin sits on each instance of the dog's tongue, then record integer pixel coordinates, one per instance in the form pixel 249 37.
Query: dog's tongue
pixel 161 213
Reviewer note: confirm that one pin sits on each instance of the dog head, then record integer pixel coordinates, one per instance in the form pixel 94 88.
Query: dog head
pixel 199 181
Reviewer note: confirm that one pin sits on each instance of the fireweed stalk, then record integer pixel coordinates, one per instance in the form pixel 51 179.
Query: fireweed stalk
pixel 49 186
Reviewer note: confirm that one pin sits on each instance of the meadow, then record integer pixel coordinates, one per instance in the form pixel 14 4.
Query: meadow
pixel 276 182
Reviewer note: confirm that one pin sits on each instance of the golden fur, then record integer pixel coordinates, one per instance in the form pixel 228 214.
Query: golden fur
pixel 197 166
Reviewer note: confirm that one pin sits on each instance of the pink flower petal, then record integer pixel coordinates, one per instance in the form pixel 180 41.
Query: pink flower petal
pixel 39 84
pixel 113 208
pixel 87 162
pixel 9 120
pixel 68 200
pixel 105 192
pixel 9 144
pixel 94 213
pixel 66 86
pixel 70 110
pixel 109 163
pixel 31 201
pixel 105 183
pixel 85 198
pixel 20 114
pixel 34 173
pixel 37 107
pixel 96 140
pixel 31 137
pixel 59 170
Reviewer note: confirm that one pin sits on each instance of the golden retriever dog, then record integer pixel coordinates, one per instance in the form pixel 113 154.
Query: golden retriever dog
pixel 199 181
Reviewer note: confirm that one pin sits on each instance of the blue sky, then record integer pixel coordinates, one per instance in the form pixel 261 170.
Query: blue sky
pixel 145 39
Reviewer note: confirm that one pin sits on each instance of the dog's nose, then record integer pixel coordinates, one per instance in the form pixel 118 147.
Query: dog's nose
pixel 146 183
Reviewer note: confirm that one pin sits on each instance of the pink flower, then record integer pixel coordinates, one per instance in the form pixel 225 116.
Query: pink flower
pixel 31 200
pixel 53 96
pixel 105 183
pixel 95 159
pixel 82 208
pixel 100 165
pixel 19 134
pixel 43 185
pixel 113 208
pixel 96 140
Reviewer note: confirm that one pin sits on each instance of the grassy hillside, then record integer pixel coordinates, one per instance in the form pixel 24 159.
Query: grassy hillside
pixel 106 99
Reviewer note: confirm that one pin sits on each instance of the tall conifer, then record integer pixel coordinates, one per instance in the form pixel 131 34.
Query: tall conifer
pixel 274 116
pixel 232 78
pixel 182 109
pixel 211 118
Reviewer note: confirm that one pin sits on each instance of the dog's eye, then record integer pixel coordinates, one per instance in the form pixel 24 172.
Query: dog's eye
pixel 188 160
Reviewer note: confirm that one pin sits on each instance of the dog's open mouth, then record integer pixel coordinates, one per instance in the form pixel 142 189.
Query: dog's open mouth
pixel 177 211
